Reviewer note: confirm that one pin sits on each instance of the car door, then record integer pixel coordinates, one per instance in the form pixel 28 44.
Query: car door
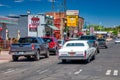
pixel 41 45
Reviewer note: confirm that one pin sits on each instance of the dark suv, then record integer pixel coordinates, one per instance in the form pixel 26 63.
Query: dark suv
pixel 52 43
pixel 102 42
pixel 91 39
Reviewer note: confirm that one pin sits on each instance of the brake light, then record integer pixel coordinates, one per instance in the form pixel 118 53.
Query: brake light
pixel 85 54
pixel 51 44
pixel 33 46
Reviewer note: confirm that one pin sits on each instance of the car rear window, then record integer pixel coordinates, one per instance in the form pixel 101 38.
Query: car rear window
pixel 47 40
pixel 59 42
pixel 75 44
pixel 101 40
pixel 27 40
pixel 87 38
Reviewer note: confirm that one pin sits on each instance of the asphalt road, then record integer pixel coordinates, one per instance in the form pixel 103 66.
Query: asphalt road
pixel 106 66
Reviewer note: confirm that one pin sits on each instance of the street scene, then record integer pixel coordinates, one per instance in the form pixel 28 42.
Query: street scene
pixel 59 40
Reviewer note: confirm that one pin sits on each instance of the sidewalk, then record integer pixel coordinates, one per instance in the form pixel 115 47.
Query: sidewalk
pixel 5 57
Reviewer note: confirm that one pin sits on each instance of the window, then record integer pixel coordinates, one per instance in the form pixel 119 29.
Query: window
pixel 75 44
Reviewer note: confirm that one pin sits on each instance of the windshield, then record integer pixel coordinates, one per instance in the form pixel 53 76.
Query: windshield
pixel 27 40
pixel 87 38
pixel 47 40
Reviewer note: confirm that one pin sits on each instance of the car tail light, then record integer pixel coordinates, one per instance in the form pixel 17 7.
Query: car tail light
pixel 51 44
pixel 33 46
pixel 85 54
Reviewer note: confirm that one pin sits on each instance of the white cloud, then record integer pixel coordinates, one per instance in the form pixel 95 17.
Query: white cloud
pixel 35 0
pixel 3 5
pixel 51 1
pixel 18 0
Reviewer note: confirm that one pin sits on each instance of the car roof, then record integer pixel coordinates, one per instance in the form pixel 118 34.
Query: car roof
pixel 77 41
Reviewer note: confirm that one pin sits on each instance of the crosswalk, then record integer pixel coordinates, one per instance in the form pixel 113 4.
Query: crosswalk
pixel 111 72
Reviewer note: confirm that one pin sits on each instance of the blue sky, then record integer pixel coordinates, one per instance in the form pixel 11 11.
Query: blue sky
pixel 103 12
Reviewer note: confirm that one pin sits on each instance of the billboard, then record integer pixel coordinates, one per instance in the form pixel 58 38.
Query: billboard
pixel 33 23
pixel 72 20
pixel 72 12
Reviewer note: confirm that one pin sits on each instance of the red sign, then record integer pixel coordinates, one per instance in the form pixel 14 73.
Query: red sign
pixel 57 22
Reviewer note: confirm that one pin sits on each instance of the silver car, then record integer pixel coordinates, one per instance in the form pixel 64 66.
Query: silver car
pixel 117 40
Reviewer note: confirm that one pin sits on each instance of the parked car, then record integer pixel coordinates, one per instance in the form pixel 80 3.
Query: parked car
pixel 29 47
pixel 91 39
pixel 52 43
pixel 117 40
pixel 61 43
pixel 102 42
pixel 77 50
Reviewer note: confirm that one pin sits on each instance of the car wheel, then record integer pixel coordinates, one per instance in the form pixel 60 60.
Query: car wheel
pixel 28 57
pixel 56 51
pixel 98 51
pixel 106 47
pixel 88 60
pixel 15 58
pixel 63 61
pixel 37 56
pixel 47 54
pixel 93 57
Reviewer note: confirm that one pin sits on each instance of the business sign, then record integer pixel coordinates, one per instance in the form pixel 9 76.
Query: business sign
pixel 72 12
pixel 33 23
pixel 72 21
pixel 91 30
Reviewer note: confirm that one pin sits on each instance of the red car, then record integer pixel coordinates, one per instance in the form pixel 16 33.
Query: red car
pixel 52 43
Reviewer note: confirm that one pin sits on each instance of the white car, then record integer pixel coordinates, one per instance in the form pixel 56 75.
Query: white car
pixel 117 41
pixel 77 50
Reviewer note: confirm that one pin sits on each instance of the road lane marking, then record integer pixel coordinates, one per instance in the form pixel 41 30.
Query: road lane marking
pixel 115 72
pixel 108 72
pixel 8 71
pixel 43 71
pixel 78 72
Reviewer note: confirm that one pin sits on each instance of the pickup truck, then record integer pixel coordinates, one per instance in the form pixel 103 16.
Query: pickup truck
pixel 92 39
pixel 29 47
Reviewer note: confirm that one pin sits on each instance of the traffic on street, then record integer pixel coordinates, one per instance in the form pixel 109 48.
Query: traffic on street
pixel 104 67
pixel 59 40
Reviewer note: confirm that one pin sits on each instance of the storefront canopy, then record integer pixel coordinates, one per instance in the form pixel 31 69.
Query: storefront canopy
pixel 53 27
pixel 7 20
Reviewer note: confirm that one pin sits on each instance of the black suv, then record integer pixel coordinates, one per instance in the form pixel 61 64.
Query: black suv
pixel 91 39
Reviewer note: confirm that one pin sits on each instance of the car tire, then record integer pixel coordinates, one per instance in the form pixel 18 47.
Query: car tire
pixel 28 57
pixel 56 51
pixel 15 58
pixel 106 47
pixel 47 54
pixel 88 60
pixel 98 51
pixel 93 57
pixel 63 61
pixel 37 56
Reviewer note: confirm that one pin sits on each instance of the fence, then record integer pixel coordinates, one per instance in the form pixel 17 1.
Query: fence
pixel 5 44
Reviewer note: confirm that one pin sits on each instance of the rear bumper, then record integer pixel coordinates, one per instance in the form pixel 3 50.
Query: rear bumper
pixel 24 53
pixel 52 49
pixel 72 57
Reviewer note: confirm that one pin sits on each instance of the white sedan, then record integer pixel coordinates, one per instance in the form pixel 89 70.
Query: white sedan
pixel 77 50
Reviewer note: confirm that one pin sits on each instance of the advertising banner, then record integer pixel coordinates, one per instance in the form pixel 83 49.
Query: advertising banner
pixel 72 12
pixel 33 23
pixel 72 21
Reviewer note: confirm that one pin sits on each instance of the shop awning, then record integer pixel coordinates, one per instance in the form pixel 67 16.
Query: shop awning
pixel 53 27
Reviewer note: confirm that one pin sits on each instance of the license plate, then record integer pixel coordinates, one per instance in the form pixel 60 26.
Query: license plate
pixel 72 53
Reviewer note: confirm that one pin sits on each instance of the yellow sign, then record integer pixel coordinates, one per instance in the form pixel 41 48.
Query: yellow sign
pixel 72 21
